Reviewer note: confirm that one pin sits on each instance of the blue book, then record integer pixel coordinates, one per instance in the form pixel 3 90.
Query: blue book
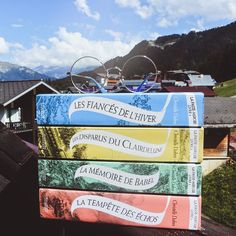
pixel 121 109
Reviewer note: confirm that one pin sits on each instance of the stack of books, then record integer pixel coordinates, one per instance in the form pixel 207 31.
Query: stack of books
pixel 129 159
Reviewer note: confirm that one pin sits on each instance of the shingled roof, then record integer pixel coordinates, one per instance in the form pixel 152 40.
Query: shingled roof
pixel 11 90
pixel 220 112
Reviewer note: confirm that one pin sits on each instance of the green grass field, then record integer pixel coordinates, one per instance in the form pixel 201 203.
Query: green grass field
pixel 226 89
pixel 219 194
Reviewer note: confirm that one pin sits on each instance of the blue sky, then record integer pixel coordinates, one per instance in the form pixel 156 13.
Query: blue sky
pixel 57 32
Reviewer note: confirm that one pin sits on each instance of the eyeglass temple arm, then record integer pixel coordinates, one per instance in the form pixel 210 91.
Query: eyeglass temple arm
pixel 100 87
pixel 146 77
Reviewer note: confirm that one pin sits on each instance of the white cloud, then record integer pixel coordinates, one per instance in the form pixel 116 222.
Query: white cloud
pixel 16 25
pixel 115 20
pixel 199 26
pixel 83 6
pixel 66 47
pixel 15 46
pixel 144 11
pixel 127 36
pixel 116 35
pixel 164 23
pixel 4 46
pixel 89 27
pixel 170 12
pixel 154 35
pixel 128 3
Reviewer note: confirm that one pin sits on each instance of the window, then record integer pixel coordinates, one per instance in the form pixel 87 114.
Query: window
pixel 13 115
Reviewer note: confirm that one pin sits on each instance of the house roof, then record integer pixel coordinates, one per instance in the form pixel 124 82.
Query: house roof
pixel 12 90
pixel 220 112
pixel 201 80
pixel 207 91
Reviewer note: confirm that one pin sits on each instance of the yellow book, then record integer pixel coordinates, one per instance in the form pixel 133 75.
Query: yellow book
pixel 122 143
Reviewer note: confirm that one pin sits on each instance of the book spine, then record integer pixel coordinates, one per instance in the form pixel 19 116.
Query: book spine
pixel 180 179
pixel 128 109
pixel 160 211
pixel 126 143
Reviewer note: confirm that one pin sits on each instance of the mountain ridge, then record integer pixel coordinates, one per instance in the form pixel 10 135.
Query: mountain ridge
pixel 12 72
pixel 212 51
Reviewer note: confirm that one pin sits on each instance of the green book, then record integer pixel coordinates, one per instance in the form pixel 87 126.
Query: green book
pixel 157 178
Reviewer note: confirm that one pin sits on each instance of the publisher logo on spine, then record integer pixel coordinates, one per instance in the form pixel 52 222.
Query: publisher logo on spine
pixel 192 109
pixel 194 144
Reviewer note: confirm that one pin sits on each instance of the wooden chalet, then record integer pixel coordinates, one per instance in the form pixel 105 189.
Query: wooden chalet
pixel 188 81
pixel 219 119
pixel 17 106
pixel 190 78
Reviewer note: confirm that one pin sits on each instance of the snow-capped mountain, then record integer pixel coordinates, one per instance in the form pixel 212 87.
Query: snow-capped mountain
pixel 58 72
pixel 53 71
pixel 11 72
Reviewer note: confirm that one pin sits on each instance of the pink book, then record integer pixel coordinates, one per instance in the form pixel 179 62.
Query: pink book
pixel 158 211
